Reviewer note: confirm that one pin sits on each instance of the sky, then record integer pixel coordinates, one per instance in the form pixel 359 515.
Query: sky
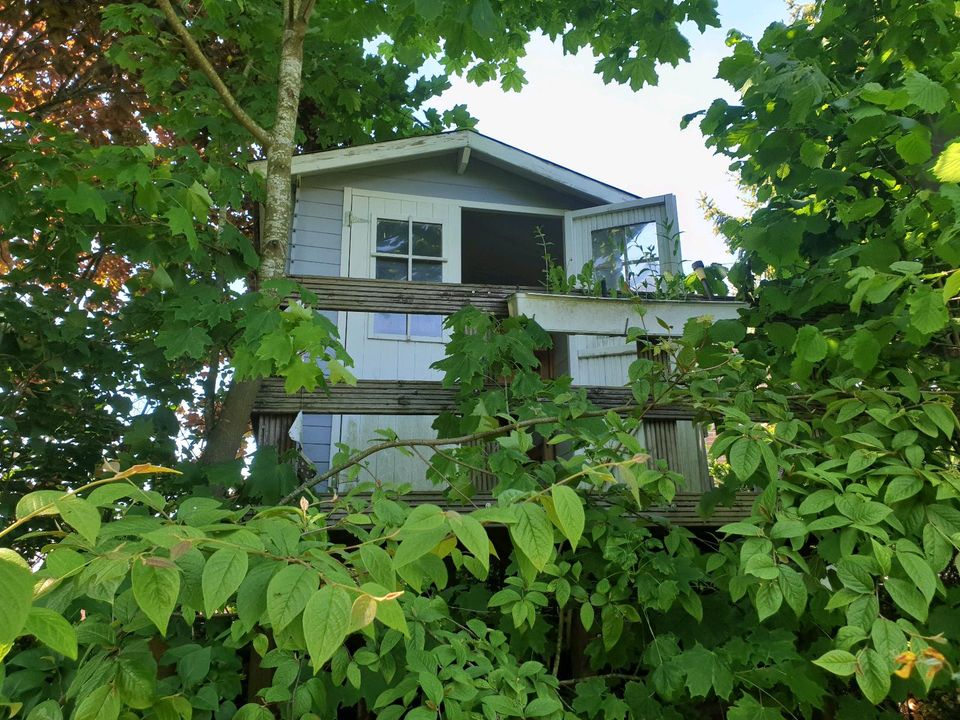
pixel 631 140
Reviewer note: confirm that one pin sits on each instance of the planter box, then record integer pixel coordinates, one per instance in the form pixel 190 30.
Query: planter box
pixel 581 315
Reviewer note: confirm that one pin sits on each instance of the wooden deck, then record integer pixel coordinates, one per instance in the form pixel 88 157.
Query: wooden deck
pixel 682 511
pixel 415 397
pixel 415 298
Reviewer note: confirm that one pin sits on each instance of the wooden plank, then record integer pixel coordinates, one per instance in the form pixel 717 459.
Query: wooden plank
pixel 682 511
pixel 413 397
pixel 415 298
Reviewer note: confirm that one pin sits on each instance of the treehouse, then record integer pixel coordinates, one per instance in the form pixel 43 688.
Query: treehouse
pixel 394 236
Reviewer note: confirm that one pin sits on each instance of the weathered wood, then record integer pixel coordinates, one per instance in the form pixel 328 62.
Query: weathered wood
pixel 415 298
pixel 414 397
pixel 273 430
pixel 682 511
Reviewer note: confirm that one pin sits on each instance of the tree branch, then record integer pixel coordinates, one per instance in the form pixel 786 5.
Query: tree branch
pixel 437 442
pixel 196 54
pixel 607 676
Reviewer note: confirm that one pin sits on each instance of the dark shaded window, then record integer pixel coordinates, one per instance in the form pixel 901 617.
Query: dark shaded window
pixel 503 248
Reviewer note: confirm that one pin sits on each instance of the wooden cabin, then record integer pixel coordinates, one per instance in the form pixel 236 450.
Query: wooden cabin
pixel 395 235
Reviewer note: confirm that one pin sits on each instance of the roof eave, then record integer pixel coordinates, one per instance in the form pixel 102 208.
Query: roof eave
pixel 425 146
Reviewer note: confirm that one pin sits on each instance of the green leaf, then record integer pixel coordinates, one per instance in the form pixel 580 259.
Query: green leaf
pixel 873 677
pixel 951 287
pixel 300 375
pixel 901 488
pixel 569 509
pixel 136 678
pixel 253 711
pixel 793 589
pixel 17 584
pixel 288 593
pixel 587 615
pixel 745 457
pixel 858 210
pixel 863 349
pixel 861 510
pixel 810 345
pixel 47 710
pixel 741 528
pixel 85 197
pixel 748 708
pixel 41 502
pixel 532 533
pixel 188 341
pixel 156 585
pixel 103 703
pixel 855 576
pixel 418 543
pixel 838 662
pixel 222 574
pixel 337 373
pixel 817 501
pixel 929 95
pixel 81 515
pixel 326 621
pixel 888 640
pixel 788 528
pixel 180 222
pixel 52 630
pixel 907 598
pixel 768 601
pixel 927 311
pixel 947 167
pixel 920 572
pixel 380 565
pixel 611 626
pixel 942 416
pixel 472 536
pixel 542 706
pixel 914 146
pixel 390 614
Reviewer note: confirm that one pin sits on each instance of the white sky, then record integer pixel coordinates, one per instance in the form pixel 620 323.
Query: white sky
pixel 631 140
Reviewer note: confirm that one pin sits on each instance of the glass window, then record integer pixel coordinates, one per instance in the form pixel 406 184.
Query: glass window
pixel 391 269
pixel 426 271
pixel 427 239
pixel 404 251
pixel 389 324
pixel 625 257
pixel 392 236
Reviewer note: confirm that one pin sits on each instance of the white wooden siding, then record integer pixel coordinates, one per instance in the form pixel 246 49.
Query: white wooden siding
pixel 315 250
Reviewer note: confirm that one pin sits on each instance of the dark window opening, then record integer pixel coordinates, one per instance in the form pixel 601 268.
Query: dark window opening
pixel 504 248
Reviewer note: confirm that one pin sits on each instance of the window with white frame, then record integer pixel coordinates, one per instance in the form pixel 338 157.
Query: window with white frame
pixel 408 250
pixel 625 257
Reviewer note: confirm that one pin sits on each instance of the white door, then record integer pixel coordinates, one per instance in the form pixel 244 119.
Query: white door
pixel 393 237
pixel 630 244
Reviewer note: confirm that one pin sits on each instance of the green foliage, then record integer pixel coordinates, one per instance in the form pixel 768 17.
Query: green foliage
pixel 833 400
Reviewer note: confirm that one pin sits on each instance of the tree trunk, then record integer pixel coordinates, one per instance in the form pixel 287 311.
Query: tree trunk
pixel 226 436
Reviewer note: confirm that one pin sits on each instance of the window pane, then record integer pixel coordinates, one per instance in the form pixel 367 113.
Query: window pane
pixel 390 324
pixel 627 253
pixel 608 251
pixel 392 236
pixel 426 325
pixel 427 239
pixel 642 263
pixel 426 271
pixel 391 269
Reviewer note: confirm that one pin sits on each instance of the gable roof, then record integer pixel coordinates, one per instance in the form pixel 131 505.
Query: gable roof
pixel 468 143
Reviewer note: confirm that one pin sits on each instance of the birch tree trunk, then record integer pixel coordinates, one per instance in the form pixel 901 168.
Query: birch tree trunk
pixel 225 437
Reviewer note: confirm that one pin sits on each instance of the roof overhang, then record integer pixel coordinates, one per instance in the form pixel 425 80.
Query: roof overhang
pixel 477 145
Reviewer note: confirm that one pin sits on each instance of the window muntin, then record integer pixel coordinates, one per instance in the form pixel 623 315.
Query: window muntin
pixel 625 256
pixel 408 250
